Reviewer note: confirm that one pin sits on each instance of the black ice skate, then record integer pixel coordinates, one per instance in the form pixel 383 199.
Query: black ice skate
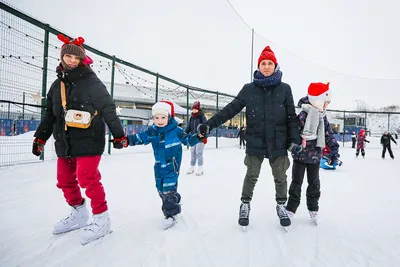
pixel 283 215
pixel 244 213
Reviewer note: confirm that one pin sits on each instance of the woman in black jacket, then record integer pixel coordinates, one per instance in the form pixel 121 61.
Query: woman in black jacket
pixel 271 129
pixel 196 152
pixel 77 106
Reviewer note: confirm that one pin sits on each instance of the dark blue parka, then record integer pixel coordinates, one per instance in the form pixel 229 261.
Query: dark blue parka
pixel 167 147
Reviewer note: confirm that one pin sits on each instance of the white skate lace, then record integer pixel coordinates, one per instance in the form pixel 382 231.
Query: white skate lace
pixel 244 210
pixel 282 214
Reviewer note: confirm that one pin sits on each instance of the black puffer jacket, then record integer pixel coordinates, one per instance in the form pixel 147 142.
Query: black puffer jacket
pixel 87 93
pixel 270 118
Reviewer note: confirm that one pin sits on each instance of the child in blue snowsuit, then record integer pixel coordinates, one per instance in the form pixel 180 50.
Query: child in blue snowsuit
pixel 316 133
pixel 166 139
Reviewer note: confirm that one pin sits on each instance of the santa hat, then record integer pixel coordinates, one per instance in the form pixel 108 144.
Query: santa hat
pixel 267 53
pixel 196 105
pixel 318 94
pixel 75 48
pixel 163 108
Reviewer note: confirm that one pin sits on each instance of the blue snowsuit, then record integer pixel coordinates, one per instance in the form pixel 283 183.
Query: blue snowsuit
pixel 167 147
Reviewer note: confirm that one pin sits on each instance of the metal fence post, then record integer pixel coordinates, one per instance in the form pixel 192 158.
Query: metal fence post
pixel 112 96
pixel 44 75
pixel 344 125
pixel 187 105
pixel 23 105
pixel 216 130
pixel 157 88
pixel 389 123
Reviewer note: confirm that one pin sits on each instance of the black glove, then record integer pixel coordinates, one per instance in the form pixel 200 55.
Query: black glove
pixel 119 143
pixel 38 146
pixel 203 129
pixel 295 149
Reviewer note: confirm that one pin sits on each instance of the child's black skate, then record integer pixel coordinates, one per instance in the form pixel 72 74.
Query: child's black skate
pixel 244 213
pixel 283 215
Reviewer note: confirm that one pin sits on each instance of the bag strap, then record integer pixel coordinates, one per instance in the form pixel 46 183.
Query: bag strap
pixel 63 101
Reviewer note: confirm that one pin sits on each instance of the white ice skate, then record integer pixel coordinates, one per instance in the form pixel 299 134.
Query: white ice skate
pixel 168 222
pixel 199 171
pixel 314 216
pixel 78 218
pixel 99 227
pixel 291 214
pixel 190 170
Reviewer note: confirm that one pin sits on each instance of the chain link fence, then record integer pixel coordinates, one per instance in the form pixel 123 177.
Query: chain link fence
pixel 30 52
pixel 29 55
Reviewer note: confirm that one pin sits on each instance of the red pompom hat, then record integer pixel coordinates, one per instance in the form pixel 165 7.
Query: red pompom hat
pixel 267 53
pixel 196 105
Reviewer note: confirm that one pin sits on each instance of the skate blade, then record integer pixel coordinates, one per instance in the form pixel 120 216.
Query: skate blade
pixel 199 174
pixel 69 230
pixel 285 229
pixel 166 227
pixel 243 228
pixel 85 242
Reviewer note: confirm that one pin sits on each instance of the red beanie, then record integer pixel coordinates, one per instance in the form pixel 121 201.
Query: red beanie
pixel 196 105
pixel 267 53
pixel 318 93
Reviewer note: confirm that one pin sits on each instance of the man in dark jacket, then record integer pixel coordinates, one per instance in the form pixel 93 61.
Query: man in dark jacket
pixel 240 135
pixel 272 129
pixel 385 142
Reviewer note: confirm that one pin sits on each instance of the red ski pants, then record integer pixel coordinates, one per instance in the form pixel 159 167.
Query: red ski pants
pixel 83 171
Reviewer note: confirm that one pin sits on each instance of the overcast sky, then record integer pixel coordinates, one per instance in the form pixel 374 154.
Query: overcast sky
pixel 354 44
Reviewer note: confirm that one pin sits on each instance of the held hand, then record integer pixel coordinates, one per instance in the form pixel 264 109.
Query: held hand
pixel 119 143
pixel 203 129
pixel 38 146
pixel 295 149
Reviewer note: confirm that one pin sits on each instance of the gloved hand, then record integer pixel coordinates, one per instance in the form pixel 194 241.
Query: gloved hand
pixel 204 140
pixel 332 158
pixel 295 149
pixel 203 129
pixel 38 146
pixel 120 143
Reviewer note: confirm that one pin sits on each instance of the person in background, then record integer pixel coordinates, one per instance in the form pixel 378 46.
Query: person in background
pixel 353 140
pixel 241 135
pixel 385 142
pixel 196 152
pixel 78 94
pixel 361 143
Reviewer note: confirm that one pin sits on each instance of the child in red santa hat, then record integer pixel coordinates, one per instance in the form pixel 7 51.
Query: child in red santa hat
pixel 316 133
pixel 167 139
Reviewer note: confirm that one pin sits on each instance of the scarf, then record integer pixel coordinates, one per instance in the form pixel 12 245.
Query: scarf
pixel 275 79
pixel 314 127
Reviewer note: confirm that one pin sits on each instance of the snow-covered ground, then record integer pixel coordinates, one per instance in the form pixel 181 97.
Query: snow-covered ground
pixel 358 216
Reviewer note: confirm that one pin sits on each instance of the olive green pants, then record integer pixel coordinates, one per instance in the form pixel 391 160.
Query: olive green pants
pixel 279 167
